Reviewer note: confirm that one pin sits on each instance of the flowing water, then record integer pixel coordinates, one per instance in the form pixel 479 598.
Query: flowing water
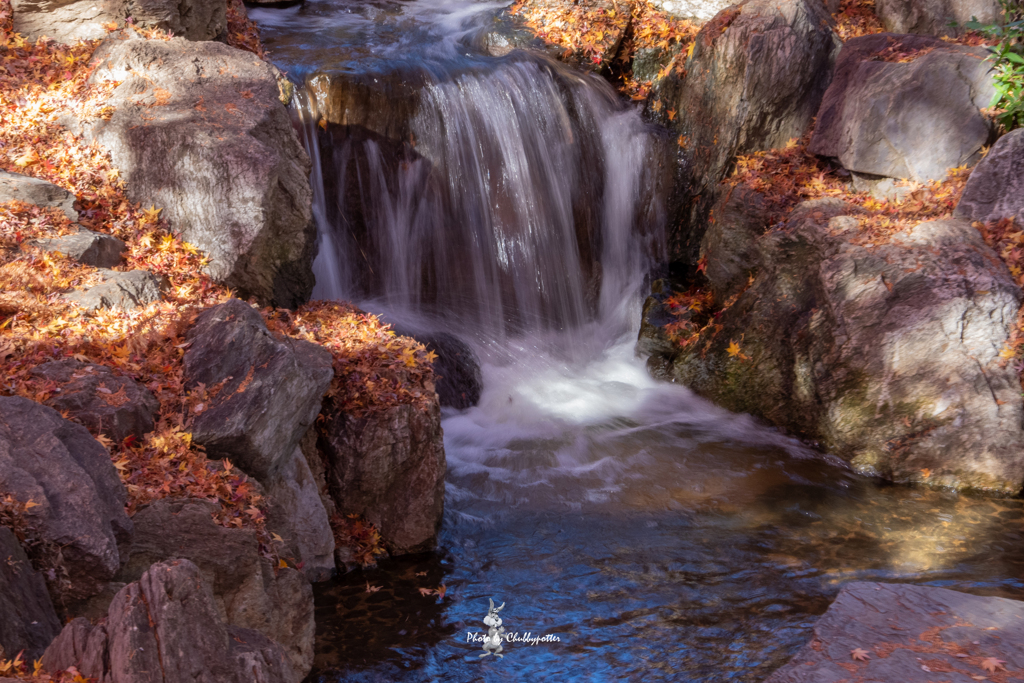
pixel 646 533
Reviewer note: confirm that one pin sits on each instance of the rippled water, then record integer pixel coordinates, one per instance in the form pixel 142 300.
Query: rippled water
pixel 656 536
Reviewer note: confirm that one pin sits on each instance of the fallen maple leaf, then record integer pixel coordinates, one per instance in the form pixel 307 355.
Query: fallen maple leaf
pixel 374 589
pixel 734 349
pixel 991 664
pixel 426 591
pixel 859 654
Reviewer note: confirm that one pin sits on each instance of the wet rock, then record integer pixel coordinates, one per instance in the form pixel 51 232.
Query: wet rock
pixel 933 17
pixel 912 120
pixel 79 499
pixel 28 621
pixel 754 81
pixel 200 131
pixel 729 246
pixel 887 354
pixel 105 403
pixel 35 191
pixel 389 467
pixel 73 20
pixel 270 389
pixel 915 634
pixel 119 290
pixel 164 627
pixel 653 340
pixel 86 246
pixel 297 514
pixel 247 591
pixel 457 369
pixel 995 189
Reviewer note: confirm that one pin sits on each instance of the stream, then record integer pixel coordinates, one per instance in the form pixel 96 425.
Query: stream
pixel 632 530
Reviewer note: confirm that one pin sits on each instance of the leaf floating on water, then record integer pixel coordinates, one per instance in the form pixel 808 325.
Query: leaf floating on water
pixel 374 589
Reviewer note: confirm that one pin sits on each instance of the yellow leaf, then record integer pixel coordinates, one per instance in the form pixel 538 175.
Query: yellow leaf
pixel 734 349
pixel 281 564
pixel 276 538
pixel 323 123
pixel 31 504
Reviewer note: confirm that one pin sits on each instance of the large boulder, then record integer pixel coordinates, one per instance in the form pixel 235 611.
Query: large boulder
pixel 78 499
pixel 912 634
pixel 754 81
pixel 28 621
pixel 199 130
pixel 459 380
pixel 247 591
pixel 264 392
pixel 389 467
pixel 164 628
pixel 35 191
pixel 887 354
pixel 729 245
pixel 935 17
pixel 912 120
pixel 298 516
pixel 995 189
pixel 93 395
pixel 67 21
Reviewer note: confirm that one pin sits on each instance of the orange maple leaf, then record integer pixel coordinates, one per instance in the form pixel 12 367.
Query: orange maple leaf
pixel 991 664
pixel 859 654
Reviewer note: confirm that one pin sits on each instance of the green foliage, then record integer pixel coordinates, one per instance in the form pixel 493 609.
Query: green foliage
pixel 1008 56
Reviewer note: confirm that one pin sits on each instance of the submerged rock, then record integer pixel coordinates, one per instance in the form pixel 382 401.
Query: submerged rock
pixel 165 628
pixel 389 466
pixel 35 191
pixel 199 130
pixel 78 499
pixel 995 189
pixel 912 120
pixel 887 354
pixel 912 634
pixel 754 81
pixel 28 621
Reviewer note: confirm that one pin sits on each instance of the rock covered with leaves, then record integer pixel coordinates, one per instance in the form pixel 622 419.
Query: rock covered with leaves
pixel 217 152
pixel 754 80
pixel 905 107
pixel 165 627
pixel 916 634
pixel 91 19
pixel 72 497
pixel 85 246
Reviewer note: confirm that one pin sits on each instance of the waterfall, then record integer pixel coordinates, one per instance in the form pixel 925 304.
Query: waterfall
pixel 509 198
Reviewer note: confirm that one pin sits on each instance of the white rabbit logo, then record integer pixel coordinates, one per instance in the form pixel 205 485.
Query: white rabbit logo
pixel 495 631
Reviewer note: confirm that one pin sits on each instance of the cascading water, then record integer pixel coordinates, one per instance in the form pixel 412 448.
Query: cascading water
pixel 517 204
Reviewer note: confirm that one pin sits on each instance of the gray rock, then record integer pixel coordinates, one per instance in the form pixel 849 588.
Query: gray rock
pixel 912 634
pixel 933 17
pixel 28 621
pixel 995 189
pixel 72 20
pixel 35 191
pixel 729 245
pixel 913 120
pixel 86 246
pixel 105 403
pixel 297 514
pixel 456 368
pixel 79 498
pixel 247 591
pixel 653 341
pixel 272 388
pixel 697 11
pixel 200 131
pixel 165 628
pixel 119 290
pixel 389 467
pixel 754 81
pixel 888 355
